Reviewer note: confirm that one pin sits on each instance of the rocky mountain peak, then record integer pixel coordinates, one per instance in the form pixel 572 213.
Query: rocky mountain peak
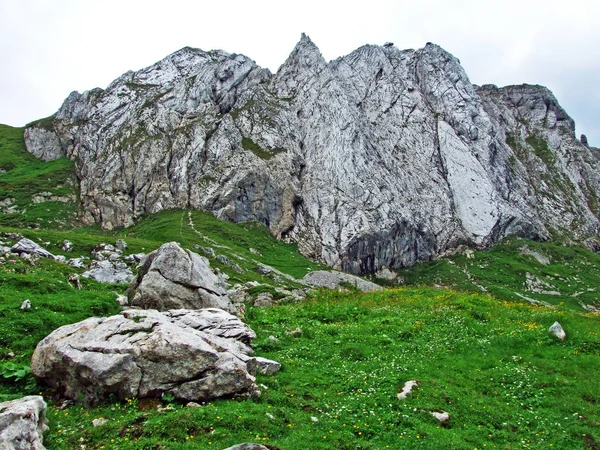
pixel 304 62
pixel 380 158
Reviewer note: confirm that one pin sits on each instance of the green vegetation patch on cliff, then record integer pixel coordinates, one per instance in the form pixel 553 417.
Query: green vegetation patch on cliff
pixel 249 144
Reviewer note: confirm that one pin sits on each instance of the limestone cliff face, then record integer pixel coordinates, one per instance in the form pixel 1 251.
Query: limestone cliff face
pixel 380 158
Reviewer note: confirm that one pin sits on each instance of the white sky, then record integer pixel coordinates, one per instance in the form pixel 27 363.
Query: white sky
pixel 49 48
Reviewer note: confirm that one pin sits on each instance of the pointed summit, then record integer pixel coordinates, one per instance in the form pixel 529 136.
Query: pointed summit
pixel 302 64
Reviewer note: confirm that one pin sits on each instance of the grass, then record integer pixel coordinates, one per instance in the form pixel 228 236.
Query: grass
pixel 484 357
pixel 490 364
pixel 574 272
pixel 25 176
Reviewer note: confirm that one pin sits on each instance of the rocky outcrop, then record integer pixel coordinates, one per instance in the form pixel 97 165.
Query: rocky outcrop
pixel 27 246
pixel 377 159
pixel 23 423
pixel 192 355
pixel 172 277
pixel 107 271
pixel 339 280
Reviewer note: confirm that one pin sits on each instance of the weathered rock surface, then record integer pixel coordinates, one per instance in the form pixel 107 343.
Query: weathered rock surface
pixel 379 158
pixel 172 277
pixel 248 446
pixel 192 355
pixel 335 280
pixel 557 331
pixel 23 423
pixel 109 272
pixel 27 246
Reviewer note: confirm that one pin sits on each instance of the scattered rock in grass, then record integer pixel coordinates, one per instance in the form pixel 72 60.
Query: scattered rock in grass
pixel 539 286
pixel 440 415
pixel 236 268
pixel 542 259
pixel 109 272
pixel 407 389
pixel 192 355
pixel 267 366
pixel 23 423
pixel 59 258
pixel 296 333
pixel 172 277
pixel 99 422
pixel 263 299
pixel 591 307
pixel 67 246
pixel 270 416
pixel 74 280
pixel 264 270
pixel 557 330
pixel 209 251
pixel 254 251
pixel 77 262
pixel 223 260
pixel 314 419
pixel 335 280
pixel 248 446
pixel 26 304
pixel 121 245
pixel 192 405
pixel 386 274
pixel 274 339
pixel 27 246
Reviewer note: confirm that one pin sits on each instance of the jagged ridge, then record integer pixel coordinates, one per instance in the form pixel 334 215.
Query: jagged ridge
pixel 379 158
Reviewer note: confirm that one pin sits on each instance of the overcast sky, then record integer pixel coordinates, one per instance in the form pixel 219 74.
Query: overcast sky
pixel 49 48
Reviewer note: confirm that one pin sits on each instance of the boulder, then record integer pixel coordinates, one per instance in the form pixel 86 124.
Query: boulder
pixel 336 280
pixel 173 278
pixel 192 355
pixel 27 246
pixel 557 330
pixel 23 423
pixel 109 272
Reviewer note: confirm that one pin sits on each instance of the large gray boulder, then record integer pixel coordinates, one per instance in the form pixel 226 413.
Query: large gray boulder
pixel 172 278
pixel 23 423
pixel 192 355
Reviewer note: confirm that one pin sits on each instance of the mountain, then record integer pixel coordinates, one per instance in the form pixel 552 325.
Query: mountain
pixel 377 159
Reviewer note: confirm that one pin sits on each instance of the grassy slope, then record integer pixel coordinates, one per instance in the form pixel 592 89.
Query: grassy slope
pixel 486 361
pixel 573 271
pixel 25 176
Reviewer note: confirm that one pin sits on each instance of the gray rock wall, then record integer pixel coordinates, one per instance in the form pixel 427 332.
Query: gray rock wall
pixel 379 158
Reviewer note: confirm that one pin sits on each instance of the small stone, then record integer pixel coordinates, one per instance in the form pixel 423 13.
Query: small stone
pixel 296 333
pixel 270 416
pixel 254 251
pixel 99 422
pixel 557 330
pixel 67 246
pixel 26 304
pixel 223 260
pixel 314 419
pixel 272 339
pixel 121 244
pixel 441 415
pixel 122 300
pixel 236 268
pixel 192 405
pixel 264 270
pixel 407 389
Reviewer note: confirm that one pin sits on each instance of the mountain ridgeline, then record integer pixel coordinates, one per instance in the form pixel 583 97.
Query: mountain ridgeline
pixel 380 158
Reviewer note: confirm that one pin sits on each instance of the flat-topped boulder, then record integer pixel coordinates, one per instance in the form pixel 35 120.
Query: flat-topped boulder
pixel 192 355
